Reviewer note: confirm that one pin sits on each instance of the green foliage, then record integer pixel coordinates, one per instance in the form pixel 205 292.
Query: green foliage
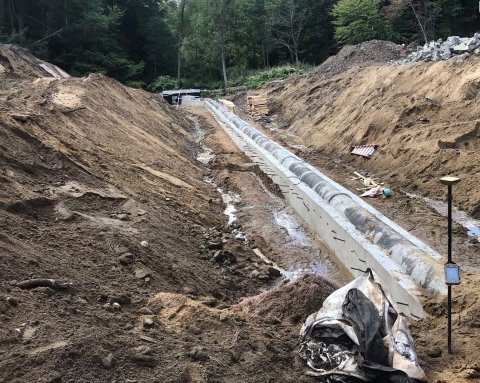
pixel 439 18
pixel 262 77
pixel 139 41
pixel 135 84
pixel 162 83
pixel 359 20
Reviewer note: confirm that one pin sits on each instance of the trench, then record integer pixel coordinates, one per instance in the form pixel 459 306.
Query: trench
pixel 297 250
pixel 358 235
pixel 461 217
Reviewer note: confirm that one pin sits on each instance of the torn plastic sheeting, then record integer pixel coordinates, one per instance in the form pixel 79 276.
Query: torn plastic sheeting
pixel 359 335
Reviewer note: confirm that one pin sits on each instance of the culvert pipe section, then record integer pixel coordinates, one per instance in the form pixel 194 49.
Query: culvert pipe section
pixel 358 235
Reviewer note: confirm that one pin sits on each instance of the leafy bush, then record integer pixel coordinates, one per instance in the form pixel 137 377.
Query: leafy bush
pixel 135 84
pixel 162 83
pixel 262 77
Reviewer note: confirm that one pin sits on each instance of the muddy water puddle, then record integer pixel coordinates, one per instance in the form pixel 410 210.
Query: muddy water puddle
pixel 204 154
pixel 289 246
pixel 471 224
pixel 229 199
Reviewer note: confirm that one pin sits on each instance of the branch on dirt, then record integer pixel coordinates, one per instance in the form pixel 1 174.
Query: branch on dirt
pixel 67 111
pixel 44 282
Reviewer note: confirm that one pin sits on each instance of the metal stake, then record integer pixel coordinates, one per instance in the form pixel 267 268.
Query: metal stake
pixel 449 304
pixel 449 181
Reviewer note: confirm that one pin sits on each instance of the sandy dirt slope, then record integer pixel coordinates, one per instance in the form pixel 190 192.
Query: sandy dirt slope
pixel 100 191
pixel 424 116
pixel 19 62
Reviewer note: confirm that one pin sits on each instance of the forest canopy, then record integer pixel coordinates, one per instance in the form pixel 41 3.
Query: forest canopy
pixel 209 43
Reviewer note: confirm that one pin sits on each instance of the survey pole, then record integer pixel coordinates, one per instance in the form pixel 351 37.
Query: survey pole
pixel 452 273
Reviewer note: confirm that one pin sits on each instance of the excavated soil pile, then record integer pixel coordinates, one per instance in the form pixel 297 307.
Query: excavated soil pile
pixel 430 336
pixel 290 303
pixel 16 61
pixel 363 54
pixel 102 206
pixel 424 116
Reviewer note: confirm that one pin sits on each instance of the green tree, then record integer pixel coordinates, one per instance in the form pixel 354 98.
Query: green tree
pixel 317 42
pixel 288 19
pixel 359 20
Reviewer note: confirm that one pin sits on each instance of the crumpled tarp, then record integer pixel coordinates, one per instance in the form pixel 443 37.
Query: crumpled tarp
pixel 358 335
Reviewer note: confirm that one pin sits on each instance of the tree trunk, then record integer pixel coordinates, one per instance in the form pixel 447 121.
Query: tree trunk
pixel 179 66
pixel 3 13
pixel 264 56
pixel 224 68
pixel 222 43
pixel 11 11
pixel 422 28
pixel 180 37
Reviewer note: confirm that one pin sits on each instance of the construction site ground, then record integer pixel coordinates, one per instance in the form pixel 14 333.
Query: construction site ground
pixel 106 195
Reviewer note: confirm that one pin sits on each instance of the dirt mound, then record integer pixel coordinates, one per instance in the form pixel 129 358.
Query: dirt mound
pixel 430 335
pixel 101 190
pixel 363 54
pixel 423 116
pixel 17 61
pixel 215 345
pixel 291 303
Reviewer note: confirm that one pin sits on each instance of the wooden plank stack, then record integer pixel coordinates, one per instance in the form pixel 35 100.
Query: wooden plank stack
pixel 228 104
pixel 257 106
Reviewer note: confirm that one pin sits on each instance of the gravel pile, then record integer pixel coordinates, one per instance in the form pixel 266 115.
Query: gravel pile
pixel 366 53
pixel 443 50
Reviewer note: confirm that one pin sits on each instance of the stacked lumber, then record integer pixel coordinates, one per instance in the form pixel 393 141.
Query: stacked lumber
pixel 228 104
pixel 257 106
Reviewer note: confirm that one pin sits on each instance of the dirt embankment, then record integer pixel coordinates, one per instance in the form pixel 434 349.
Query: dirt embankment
pixel 424 116
pixel 101 193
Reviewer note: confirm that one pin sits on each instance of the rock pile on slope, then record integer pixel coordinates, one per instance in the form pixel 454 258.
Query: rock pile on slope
pixel 443 50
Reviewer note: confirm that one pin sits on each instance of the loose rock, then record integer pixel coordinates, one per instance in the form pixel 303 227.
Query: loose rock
pixel 148 321
pixel 254 274
pixel 107 362
pixel 274 272
pixel 443 50
pixel 143 356
pixel 435 352
pixel 198 354
pixel 145 311
pixel 126 259
pixel 225 257
pixel 12 301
